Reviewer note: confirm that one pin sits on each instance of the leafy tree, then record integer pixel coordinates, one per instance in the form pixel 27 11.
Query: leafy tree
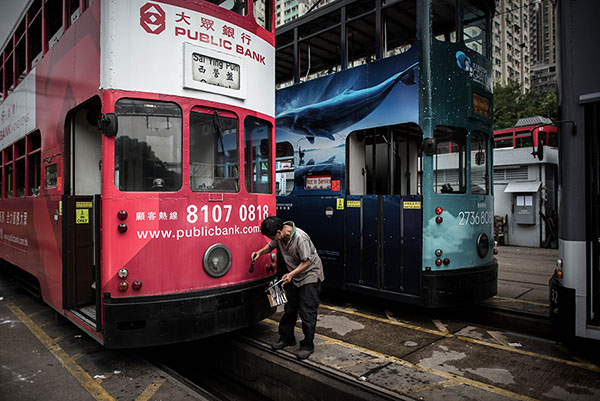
pixel 511 104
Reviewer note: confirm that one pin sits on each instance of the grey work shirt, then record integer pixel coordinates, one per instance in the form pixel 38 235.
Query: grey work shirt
pixel 298 249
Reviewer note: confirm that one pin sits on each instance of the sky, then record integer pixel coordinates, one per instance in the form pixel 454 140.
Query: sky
pixel 9 12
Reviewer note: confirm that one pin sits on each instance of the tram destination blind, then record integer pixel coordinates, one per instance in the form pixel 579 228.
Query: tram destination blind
pixel 215 72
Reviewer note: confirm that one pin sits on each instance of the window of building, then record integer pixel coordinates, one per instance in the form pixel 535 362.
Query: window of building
pixel 262 13
pixel 148 146
pixel 214 155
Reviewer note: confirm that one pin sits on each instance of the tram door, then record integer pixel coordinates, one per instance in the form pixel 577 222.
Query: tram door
pixel 592 128
pixel 83 155
pixel 383 209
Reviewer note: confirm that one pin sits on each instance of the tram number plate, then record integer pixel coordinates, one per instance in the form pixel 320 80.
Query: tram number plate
pixel 216 72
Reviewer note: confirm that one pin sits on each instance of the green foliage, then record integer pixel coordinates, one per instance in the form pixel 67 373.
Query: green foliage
pixel 510 104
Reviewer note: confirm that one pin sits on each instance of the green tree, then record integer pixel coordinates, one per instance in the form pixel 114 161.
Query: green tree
pixel 511 104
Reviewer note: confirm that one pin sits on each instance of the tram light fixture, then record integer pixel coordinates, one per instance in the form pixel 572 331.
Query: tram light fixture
pixel 122 214
pixel 438 262
pixel 558 273
pixel 495 251
pixel 217 260
pixel 123 285
pixel 122 228
pixel 136 285
pixel 123 273
pixel 438 252
pixel 439 210
pixel 559 263
pixel 439 219
pixel 483 245
pixel 274 256
pixel 446 261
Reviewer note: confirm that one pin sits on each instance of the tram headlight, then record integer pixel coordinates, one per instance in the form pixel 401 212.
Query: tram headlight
pixel 217 260
pixel 483 245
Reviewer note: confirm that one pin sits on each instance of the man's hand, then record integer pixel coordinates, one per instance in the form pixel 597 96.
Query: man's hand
pixel 254 256
pixel 287 278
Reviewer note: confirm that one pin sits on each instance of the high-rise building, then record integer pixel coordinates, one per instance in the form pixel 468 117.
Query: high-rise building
pixel 510 43
pixel 542 30
pixel 287 10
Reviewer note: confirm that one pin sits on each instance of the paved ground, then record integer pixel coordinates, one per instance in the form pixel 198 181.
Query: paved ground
pixel 523 275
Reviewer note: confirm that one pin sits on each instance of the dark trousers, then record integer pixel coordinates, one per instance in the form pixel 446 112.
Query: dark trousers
pixel 304 299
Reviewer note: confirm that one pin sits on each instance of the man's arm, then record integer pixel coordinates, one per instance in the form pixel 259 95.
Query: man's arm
pixel 299 269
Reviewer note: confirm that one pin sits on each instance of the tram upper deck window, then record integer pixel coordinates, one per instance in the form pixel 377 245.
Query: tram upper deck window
pixel 449 166
pixel 237 6
pixel 262 13
pixel 444 20
pixel 475 28
pixel 257 153
pixel 214 159
pixel 503 140
pixel 479 164
pixel 148 146
pixel 399 26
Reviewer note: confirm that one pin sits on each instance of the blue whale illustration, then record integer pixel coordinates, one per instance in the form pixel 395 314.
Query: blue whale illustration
pixel 325 118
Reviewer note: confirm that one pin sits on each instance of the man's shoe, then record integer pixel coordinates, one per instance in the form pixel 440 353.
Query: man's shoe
pixel 281 345
pixel 304 353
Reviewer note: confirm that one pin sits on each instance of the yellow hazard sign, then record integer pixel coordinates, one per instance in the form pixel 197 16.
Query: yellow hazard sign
pixel 87 205
pixel 339 204
pixel 353 203
pixel 82 216
pixel 411 204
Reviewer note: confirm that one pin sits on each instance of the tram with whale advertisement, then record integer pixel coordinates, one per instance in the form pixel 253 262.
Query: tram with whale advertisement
pixel 137 144
pixel 383 146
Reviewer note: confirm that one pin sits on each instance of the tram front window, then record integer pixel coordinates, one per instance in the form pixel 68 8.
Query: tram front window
pixel 479 163
pixel 475 28
pixel 449 175
pixel 148 146
pixel 214 160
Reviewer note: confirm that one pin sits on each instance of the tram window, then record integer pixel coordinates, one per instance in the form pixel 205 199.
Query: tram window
pixel 479 164
pixel 320 55
pixel 475 28
pixel 552 139
pixel 214 159
pixel 54 20
pixel 444 20
pixel 237 6
pixel 399 26
pixel 360 34
pixel 449 160
pixel 34 174
pixel 257 155
pixel 148 146
pixel 51 175
pixel 20 177
pixel 262 13
pixel 503 140
pixel 8 173
pixel 284 168
pixel 524 141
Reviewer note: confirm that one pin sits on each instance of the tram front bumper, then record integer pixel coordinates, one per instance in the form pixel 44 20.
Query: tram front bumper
pixel 460 286
pixel 164 319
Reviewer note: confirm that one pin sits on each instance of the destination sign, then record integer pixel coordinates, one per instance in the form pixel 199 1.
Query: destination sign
pixel 215 72
pixel 481 105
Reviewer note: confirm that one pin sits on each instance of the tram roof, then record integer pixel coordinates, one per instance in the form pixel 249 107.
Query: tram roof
pixel 338 4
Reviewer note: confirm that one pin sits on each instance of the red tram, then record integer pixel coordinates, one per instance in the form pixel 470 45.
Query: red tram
pixel 137 163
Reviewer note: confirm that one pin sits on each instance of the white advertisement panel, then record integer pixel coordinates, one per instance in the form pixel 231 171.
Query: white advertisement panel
pixel 160 48
pixel 17 112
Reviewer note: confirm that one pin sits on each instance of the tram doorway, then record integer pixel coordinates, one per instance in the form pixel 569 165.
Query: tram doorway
pixel 592 126
pixel 81 217
pixel 383 209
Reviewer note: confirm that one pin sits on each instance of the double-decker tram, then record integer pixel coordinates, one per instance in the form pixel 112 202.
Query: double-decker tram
pixel 137 142
pixel 383 145
pixel 575 286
